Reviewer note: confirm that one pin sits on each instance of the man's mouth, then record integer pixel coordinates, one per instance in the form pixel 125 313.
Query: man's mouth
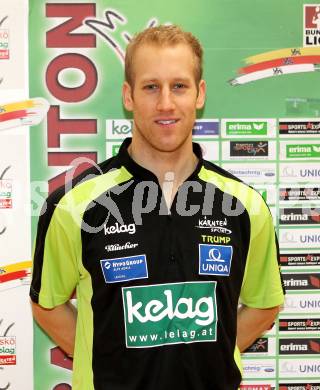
pixel 167 121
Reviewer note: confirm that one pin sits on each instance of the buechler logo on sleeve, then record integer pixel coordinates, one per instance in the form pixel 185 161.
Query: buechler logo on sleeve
pixel 174 313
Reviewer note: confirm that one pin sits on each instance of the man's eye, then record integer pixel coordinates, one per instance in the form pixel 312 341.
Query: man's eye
pixel 179 86
pixel 150 87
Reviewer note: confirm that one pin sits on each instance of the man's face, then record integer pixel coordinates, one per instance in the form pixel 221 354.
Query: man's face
pixel 164 97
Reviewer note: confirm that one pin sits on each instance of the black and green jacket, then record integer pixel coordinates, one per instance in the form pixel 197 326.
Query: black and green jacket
pixel 157 289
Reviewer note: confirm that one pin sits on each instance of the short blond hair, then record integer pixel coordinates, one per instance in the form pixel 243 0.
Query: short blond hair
pixel 163 35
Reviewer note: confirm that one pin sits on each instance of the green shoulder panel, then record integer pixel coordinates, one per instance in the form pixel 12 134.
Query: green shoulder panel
pixel 63 269
pixel 62 263
pixel 261 286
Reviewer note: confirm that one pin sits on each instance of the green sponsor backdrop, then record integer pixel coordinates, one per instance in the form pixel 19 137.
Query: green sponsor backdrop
pixel 230 31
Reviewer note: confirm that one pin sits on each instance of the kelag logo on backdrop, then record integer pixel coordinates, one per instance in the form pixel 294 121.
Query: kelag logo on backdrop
pixel 249 149
pixel 301 281
pixel 122 128
pixel 118 128
pixel 299 128
pixel 247 128
pixel 311 25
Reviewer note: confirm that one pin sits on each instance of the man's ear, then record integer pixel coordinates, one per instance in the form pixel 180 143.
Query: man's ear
pixel 201 94
pixel 127 96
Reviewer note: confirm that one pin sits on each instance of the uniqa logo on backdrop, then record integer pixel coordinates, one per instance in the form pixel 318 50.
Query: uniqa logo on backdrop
pixel 173 313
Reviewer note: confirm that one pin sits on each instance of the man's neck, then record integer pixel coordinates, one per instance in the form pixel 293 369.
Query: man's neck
pixel 174 167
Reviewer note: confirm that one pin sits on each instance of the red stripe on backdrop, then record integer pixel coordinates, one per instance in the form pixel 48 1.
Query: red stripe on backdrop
pixel 13 276
pixel 279 62
pixel 7 116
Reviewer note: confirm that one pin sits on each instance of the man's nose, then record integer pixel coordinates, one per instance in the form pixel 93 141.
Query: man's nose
pixel 166 100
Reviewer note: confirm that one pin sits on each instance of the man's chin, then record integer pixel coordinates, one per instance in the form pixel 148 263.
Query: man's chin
pixel 168 147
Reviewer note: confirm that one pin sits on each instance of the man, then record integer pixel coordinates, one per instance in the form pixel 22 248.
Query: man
pixel 160 246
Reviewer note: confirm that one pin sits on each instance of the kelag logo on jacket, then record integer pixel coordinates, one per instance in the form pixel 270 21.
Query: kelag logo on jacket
pixel 170 314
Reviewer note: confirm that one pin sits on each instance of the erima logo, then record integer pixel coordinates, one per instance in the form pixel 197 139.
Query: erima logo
pixel 293 347
pixel 304 346
pixel 295 283
pixel 258 126
pixel 239 126
pixel 299 149
pixel 294 217
pixel 247 128
pixel 117 228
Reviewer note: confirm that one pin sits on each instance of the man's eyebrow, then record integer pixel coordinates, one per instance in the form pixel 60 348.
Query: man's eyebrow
pixel 175 79
pixel 182 79
pixel 149 80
